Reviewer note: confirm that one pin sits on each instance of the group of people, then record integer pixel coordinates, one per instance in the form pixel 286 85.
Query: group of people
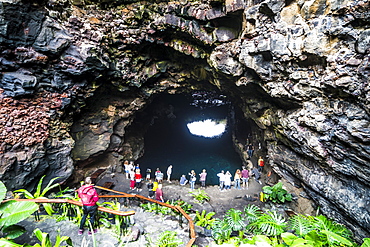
pixel 241 178
pixel 193 179
pixel 89 196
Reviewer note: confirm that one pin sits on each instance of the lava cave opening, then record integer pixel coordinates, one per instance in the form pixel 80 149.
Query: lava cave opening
pixel 169 141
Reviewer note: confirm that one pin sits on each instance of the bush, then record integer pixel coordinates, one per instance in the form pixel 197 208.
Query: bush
pixel 200 195
pixel 276 193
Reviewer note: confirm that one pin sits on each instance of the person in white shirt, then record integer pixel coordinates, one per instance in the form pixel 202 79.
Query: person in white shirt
pixel 228 180
pixel 169 172
pixel 221 176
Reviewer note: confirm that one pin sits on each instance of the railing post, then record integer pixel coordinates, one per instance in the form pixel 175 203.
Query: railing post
pixel 37 215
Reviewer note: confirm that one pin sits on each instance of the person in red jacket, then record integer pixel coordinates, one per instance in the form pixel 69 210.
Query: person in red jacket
pixel 89 197
pixel 138 179
pixel 261 164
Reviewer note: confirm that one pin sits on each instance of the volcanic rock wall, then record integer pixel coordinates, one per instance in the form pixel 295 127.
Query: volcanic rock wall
pixel 74 73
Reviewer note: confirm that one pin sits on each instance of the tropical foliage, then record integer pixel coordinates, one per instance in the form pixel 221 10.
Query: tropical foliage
pixel 168 239
pixel 12 212
pixel 204 219
pixel 273 229
pixel 154 207
pixel 44 238
pixel 200 195
pixel 276 193
pixel 40 193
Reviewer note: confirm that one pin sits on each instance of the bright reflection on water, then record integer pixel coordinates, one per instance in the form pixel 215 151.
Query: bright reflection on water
pixel 207 128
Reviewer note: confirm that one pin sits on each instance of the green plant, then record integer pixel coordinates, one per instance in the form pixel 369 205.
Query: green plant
pixel 252 212
pixel 270 224
pixel 41 193
pixel 67 211
pixel 221 231
pixel 200 195
pixel 301 225
pixel 46 242
pixel 168 239
pixel 12 212
pixel 187 207
pixel 331 232
pixel 235 220
pixel 204 219
pixel 118 220
pixel 276 193
pixel 366 242
pixel 292 240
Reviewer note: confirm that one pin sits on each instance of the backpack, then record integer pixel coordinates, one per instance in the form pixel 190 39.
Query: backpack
pixel 87 195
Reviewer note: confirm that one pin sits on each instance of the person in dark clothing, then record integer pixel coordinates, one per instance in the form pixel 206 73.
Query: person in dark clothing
pixel 256 174
pixel 150 187
pixel 250 150
pixel 89 197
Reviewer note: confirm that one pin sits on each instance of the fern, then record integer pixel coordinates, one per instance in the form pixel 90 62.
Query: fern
pixel 301 225
pixel 168 239
pixel 271 224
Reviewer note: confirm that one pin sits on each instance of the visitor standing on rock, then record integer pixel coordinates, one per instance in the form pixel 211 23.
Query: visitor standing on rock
pixel 137 166
pixel 228 180
pixel 169 172
pixel 256 174
pixel 261 164
pixel 138 179
pixel 158 176
pixel 89 197
pixel 127 168
pixel 237 178
pixel 193 178
pixel 132 179
pixel 250 150
pixel 202 178
pixel 245 177
pixel 150 187
pixel 159 193
pixel 221 176
pixel 148 174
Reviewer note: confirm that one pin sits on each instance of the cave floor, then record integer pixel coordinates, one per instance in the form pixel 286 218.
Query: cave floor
pixel 220 201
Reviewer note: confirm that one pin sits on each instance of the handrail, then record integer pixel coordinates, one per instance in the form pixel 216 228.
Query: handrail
pixel 177 208
pixel 116 212
pixel 78 203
